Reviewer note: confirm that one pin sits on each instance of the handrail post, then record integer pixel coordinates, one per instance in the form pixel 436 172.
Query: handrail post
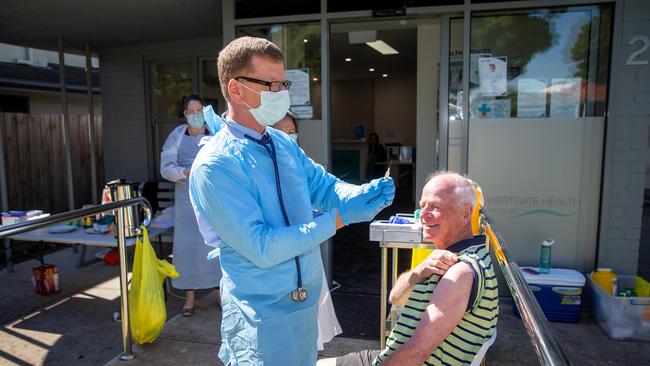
pixel 4 198
pixel 384 296
pixel 128 354
pixel 545 344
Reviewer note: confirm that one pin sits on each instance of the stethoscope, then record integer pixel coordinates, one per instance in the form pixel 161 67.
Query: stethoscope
pixel 299 294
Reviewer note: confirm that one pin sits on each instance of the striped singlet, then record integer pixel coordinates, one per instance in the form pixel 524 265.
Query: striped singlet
pixel 477 325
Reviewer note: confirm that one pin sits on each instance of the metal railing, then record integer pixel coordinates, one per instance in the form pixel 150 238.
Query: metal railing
pixel 546 345
pixel 118 208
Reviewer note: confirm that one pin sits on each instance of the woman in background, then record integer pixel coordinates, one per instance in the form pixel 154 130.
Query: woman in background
pixel 190 252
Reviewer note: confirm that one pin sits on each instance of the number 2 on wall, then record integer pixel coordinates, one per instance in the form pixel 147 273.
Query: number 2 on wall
pixel 633 58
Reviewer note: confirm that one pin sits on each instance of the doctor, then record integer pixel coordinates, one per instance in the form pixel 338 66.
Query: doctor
pixel 256 188
pixel 328 325
pixel 190 252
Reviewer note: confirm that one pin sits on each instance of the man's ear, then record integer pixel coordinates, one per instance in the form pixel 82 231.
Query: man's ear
pixel 467 214
pixel 234 91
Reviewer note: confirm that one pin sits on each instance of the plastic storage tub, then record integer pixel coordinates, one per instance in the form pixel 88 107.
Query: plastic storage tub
pixel 559 293
pixel 621 317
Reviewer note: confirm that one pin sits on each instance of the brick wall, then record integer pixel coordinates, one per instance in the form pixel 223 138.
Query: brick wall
pixel 627 148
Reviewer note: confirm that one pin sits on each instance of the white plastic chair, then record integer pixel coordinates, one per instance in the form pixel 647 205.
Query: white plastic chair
pixel 478 359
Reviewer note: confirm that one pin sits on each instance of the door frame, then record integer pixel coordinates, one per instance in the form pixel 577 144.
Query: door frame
pixel 445 13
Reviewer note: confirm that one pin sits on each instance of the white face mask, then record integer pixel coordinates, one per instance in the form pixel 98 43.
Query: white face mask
pixel 294 137
pixel 195 120
pixel 273 106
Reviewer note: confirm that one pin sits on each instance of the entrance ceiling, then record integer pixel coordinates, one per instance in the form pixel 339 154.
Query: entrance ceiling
pixel 106 24
pixel 400 37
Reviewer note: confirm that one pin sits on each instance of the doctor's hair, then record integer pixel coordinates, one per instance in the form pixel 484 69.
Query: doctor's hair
pixel 235 59
pixel 463 189
pixel 192 97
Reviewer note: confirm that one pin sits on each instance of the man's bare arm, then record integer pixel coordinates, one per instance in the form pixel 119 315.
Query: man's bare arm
pixel 442 315
pixel 438 262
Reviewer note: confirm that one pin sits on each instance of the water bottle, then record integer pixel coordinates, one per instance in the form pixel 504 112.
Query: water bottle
pixel 545 256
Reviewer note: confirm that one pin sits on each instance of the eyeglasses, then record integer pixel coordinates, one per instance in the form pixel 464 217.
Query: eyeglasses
pixel 274 86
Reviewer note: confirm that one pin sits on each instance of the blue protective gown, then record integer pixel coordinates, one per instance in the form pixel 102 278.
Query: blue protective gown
pixel 233 186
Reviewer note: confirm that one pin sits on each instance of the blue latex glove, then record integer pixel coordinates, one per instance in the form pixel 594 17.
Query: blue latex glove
pixel 375 196
pixel 387 190
pixel 387 186
pixel 363 207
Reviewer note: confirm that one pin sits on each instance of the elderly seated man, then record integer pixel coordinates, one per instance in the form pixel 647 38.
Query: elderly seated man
pixel 449 301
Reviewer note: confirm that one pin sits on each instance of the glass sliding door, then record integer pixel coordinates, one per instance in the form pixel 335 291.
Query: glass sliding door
pixel 537 97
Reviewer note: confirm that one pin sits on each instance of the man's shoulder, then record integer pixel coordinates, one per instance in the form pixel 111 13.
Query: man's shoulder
pixel 281 139
pixel 221 152
pixel 180 128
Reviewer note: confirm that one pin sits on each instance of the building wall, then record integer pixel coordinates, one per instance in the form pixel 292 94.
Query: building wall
pixel 126 132
pixel 11 53
pixel 51 104
pixel 627 145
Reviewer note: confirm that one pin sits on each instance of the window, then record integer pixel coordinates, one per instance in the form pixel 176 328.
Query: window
pixel 561 71
pixel 171 83
pixel 209 86
pixel 538 83
pixel 300 43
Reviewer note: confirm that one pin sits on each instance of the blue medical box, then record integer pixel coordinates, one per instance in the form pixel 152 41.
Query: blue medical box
pixel 559 293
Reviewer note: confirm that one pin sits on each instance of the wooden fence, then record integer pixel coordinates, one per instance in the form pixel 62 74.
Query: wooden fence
pixel 35 160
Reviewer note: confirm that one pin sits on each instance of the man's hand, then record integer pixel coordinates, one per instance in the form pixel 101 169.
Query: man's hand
pixel 387 186
pixel 373 198
pixel 186 172
pixel 438 262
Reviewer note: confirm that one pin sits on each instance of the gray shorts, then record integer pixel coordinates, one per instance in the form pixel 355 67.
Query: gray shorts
pixel 361 358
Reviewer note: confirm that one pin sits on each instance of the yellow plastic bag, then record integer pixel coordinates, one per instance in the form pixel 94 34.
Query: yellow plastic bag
pixel 147 312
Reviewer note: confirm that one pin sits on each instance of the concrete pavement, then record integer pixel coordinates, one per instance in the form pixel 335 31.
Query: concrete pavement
pixel 75 327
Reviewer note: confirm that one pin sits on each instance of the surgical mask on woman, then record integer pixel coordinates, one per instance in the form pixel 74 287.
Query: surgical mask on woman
pixel 273 106
pixel 196 120
pixel 294 137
